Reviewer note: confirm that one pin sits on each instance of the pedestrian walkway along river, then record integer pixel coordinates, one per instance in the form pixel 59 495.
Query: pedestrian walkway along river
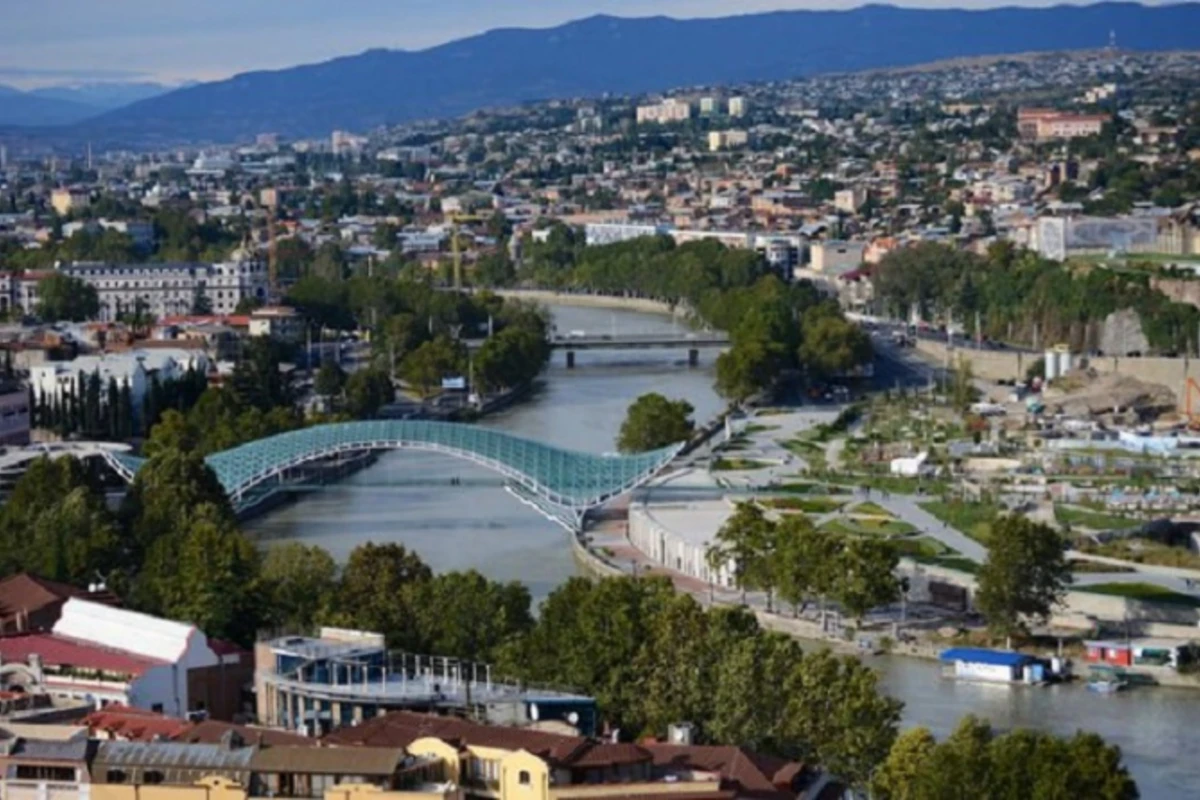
pixel 407 497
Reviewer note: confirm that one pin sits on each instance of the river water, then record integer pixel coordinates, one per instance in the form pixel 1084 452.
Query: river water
pixel 407 498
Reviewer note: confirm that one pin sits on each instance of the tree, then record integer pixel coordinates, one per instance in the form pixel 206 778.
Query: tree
pixel 368 390
pixel 909 757
pixel 835 711
pixel 165 490
pixel 866 570
pixel 653 422
pixel 330 380
pixel 424 368
pixel 832 345
pixel 56 523
pixel 201 303
pixel 1025 576
pixel 464 615
pixel 975 762
pixel 257 380
pixel 805 560
pixel 299 582
pixel 206 572
pixel 740 544
pixel 63 297
pixel 376 590
pixel 744 370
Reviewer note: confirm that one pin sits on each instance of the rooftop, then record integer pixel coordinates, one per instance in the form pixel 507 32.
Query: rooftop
pixel 60 651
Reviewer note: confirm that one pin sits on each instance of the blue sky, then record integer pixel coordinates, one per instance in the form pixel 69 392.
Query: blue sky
pixel 47 42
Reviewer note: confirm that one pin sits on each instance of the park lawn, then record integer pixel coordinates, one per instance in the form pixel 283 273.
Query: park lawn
pixel 897 484
pixel 1145 551
pixel 1143 591
pixel 923 547
pixel 809 505
pixel 1095 520
pixel 868 527
pixel 737 464
pixel 973 519
pixel 1081 566
pixel 869 509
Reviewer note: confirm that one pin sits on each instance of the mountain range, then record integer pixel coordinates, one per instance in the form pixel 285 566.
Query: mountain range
pixel 62 105
pixel 606 54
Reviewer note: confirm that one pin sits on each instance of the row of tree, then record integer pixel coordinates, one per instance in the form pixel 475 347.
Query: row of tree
pixel 797 562
pixel 1018 296
pixel 98 411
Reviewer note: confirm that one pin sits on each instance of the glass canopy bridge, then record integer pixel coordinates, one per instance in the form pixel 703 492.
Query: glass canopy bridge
pixel 561 484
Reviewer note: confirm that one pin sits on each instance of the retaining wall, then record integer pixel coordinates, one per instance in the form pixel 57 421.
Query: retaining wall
pixel 995 365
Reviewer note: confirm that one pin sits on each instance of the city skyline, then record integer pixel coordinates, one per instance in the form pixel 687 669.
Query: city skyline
pixel 62 42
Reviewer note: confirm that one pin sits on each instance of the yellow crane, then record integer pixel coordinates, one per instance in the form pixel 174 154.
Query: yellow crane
pixel 455 248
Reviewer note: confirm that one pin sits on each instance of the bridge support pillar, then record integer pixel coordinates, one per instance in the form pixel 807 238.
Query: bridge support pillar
pixel 570 359
pixel 693 357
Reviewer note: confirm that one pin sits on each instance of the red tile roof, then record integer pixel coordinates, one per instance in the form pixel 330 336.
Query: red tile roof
pixel 755 774
pixel 133 724
pixel 27 593
pixel 61 651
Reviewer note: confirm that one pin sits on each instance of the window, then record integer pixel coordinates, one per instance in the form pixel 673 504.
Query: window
pixel 153 776
pixel 157 708
pixel 523 777
pixel 114 776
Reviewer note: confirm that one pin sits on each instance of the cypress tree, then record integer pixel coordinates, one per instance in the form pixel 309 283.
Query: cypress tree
pixel 125 420
pixel 112 411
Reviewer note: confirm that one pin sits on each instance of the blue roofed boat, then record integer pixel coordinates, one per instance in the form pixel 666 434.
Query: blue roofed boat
pixel 996 666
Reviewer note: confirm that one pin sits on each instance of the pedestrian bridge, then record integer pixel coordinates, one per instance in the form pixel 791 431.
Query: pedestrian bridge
pixel 558 482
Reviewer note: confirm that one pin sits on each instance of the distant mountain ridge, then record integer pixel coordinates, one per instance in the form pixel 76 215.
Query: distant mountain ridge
pixel 623 56
pixel 64 105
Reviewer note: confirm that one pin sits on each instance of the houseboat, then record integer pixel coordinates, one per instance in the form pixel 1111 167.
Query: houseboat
pixel 998 666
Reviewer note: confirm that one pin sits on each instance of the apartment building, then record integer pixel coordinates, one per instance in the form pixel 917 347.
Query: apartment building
pixel 669 110
pixel 64 201
pixel 1047 124
pixel 738 106
pixel 727 140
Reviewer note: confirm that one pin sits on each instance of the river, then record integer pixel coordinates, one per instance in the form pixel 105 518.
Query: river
pixel 407 497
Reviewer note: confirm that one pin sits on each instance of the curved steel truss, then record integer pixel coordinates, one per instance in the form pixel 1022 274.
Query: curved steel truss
pixel 561 479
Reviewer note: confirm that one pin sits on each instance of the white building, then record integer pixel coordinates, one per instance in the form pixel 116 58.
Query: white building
pixel 850 200
pixel 172 289
pixel 142 233
pixel 837 256
pixel 669 110
pixel 738 106
pixel 600 233
pixel 110 655
pixel 136 369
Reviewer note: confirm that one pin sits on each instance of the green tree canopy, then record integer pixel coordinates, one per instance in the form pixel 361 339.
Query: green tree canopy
pixel 653 422
pixel 976 762
pixel 1025 576
pixel 299 583
pixel 62 297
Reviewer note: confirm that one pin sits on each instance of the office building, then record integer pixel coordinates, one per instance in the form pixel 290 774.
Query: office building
pixel 738 106
pixel 312 685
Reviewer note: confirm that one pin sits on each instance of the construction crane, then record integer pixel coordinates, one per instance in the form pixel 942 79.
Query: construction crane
pixel 269 202
pixel 455 249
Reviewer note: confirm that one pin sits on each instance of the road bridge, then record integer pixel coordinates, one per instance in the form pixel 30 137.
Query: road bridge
pixel 693 343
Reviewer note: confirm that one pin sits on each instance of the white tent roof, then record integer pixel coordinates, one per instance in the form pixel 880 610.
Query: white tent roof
pixel 120 629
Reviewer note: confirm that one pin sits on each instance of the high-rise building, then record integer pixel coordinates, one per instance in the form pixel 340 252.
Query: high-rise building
pixel 737 106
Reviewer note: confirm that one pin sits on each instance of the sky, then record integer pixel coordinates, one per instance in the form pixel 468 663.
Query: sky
pixel 56 42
